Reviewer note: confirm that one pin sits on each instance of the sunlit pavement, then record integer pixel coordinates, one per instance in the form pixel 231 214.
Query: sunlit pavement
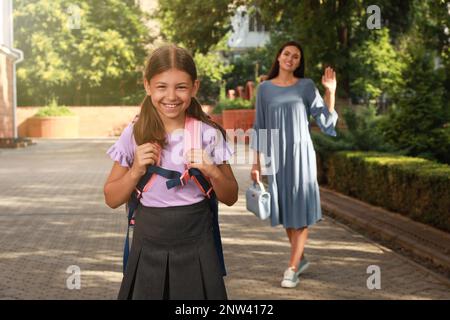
pixel 53 216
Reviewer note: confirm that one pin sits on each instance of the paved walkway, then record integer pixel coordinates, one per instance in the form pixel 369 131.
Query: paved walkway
pixel 52 216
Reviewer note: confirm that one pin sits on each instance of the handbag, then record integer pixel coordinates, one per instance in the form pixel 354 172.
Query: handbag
pixel 258 200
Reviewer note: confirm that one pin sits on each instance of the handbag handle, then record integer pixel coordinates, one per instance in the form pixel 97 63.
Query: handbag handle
pixel 261 186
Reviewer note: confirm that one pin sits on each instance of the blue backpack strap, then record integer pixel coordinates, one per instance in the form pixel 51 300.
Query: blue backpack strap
pixel 126 248
pixel 214 206
pixel 132 205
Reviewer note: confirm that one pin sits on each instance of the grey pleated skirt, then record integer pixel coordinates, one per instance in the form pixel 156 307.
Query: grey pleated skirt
pixel 173 255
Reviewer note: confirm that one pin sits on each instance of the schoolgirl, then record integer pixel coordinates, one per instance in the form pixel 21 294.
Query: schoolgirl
pixel 173 254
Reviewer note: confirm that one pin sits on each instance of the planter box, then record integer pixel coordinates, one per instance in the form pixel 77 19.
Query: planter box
pixel 217 118
pixel 239 119
pixel 53 127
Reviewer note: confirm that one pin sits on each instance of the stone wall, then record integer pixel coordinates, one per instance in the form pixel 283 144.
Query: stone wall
pixel 101 121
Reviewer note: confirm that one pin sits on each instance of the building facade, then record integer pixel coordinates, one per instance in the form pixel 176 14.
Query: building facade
pixel 248 31
pixel 8 58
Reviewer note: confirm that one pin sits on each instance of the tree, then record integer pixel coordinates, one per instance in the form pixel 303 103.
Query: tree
pixel 376 66
pixel 210 68
pixel 331 32
pixel 248 66
pixel 198 24
pixel 100 57
pixel 418 123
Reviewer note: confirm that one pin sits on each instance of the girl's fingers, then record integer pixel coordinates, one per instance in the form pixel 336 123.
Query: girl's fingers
pixel 148 156
pixel 149 146
pixel 149 149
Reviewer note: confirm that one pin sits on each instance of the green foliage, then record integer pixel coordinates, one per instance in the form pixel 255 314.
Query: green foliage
pixel 54 110
pixel 232 104
pixel 248 67
pixel 198 24
pixel 211 64
pixel 418 123
pixel 415 187
pixel 430 19
pixel 99 59
pixel 377 66
pixel 326 145
pixel 211 68
pixel 331 32
pixel 364 130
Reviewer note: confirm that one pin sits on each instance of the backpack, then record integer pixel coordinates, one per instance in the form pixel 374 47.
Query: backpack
pixel 175 178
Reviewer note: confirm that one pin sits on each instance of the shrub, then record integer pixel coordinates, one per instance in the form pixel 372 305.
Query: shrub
pixel 417 124
pixel 232 104
pixel 54 110
pixel 364 130
pixel 415 187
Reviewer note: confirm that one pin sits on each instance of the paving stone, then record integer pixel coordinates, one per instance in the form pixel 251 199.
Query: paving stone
pixel 52 216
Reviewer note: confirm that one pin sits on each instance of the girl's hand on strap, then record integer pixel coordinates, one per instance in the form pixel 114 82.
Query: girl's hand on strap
pixel 146 154
pixel 201 160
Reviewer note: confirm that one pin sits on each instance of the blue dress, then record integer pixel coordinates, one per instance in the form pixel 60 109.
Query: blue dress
pixel 288 151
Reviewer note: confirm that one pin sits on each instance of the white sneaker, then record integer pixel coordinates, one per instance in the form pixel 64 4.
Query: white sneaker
pixel 290 279
pixel 303 265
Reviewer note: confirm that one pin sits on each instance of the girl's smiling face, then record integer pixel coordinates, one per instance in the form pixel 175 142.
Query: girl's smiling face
pixel 289 58
pixel 171 92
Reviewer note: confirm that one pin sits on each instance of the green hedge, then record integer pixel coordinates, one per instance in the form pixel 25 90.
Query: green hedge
pixel 415 187
pixel 232 104
pixel 54 110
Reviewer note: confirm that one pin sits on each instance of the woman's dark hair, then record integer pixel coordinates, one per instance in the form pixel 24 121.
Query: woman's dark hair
pixel 299 72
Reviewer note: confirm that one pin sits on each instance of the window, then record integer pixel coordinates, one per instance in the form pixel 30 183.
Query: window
pixel 255 23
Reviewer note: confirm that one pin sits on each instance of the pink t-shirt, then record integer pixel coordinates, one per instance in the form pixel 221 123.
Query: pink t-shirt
pixel 171 158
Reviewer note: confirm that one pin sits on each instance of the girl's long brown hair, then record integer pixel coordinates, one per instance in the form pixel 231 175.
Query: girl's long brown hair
pixel 149 126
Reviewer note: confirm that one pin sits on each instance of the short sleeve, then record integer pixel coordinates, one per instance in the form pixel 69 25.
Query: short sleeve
pixel 123 150
pixel 325 119
pixel 216 145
